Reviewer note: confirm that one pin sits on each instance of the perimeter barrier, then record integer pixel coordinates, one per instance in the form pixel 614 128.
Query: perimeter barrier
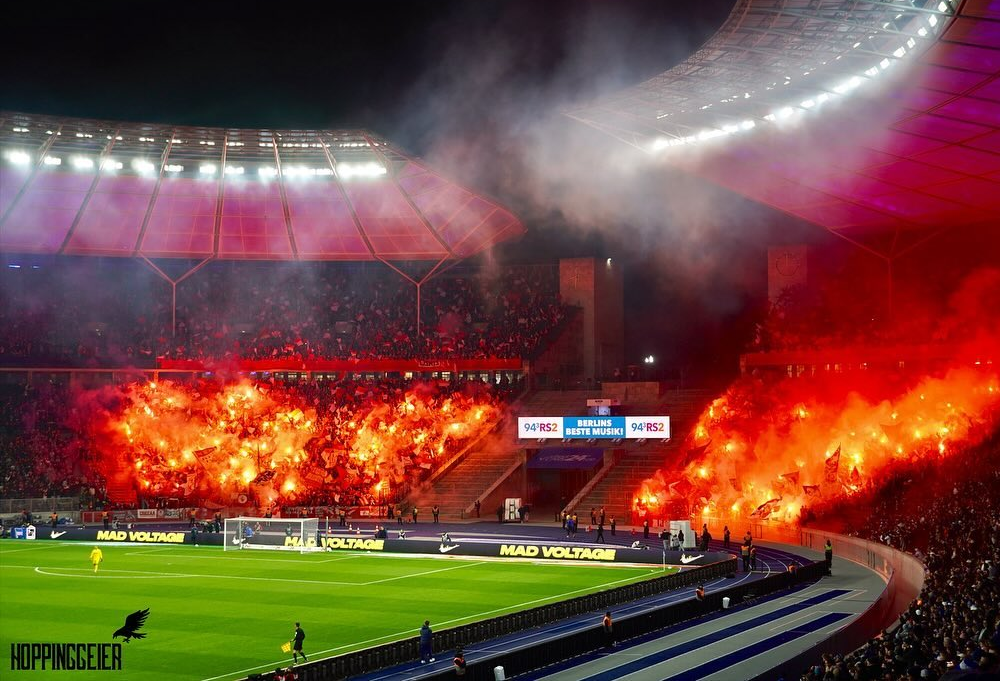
pixel 528 658
pixel 391 654
pixel 445 641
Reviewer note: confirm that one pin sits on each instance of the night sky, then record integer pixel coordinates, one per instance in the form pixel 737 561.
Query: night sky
pixel 433 77
pixel 333 64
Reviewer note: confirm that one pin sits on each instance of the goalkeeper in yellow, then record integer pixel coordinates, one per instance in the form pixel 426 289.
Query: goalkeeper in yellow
pixel 96 557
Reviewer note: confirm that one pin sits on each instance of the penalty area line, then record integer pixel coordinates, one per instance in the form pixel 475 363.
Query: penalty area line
pixel 140 574
pixel 198 556
pixel 421 574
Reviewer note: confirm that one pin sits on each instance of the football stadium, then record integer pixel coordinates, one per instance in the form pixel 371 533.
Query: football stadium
pixel 502 340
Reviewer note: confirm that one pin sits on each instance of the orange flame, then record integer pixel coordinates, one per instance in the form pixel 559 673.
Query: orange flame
pixel 215 442
pixel 803 442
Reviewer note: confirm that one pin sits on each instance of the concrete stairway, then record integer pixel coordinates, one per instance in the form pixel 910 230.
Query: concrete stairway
pixel 615 491
pixel 459 487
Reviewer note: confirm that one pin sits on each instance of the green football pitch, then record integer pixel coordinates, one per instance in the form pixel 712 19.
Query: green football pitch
pixel 216 615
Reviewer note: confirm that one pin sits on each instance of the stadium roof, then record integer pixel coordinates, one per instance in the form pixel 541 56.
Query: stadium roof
pixel 87 187
pixel 878 120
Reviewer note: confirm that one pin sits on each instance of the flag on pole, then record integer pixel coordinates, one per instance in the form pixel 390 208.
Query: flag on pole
pixel 833 466
pixel 892 431
pixel 286 647
pixel 766 509
pixel 695 453
pixel 855 476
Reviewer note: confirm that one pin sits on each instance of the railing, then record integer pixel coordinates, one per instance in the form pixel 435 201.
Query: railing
pixel 372 659
pixel 904 576
pixel 40 505
pixel 350 365
pixel 523 660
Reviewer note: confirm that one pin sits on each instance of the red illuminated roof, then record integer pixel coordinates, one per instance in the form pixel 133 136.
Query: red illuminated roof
pixel 84 187
pixel 878 121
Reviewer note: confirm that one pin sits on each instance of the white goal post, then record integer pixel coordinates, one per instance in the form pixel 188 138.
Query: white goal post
pixel 275 534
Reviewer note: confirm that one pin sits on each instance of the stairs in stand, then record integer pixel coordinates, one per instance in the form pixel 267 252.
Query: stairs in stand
pixel 460 486
pixel 638 463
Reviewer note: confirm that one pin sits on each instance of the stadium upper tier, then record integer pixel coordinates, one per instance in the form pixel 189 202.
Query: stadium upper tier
pixel 88 187
pixel 878 120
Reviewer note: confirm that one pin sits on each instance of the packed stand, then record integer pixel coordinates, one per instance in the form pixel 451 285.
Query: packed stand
pixel 947 513
pixel 92 311
pixel 834 315
pixel 40 455
pixel 358 442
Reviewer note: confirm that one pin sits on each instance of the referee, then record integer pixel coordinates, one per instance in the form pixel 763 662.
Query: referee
pixel 297 639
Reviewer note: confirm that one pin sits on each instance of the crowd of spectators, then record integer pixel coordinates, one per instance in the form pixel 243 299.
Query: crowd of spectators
pixel 40 456
pixel 372 440
pixel 836 314
pixel 94 310
pixel 947 513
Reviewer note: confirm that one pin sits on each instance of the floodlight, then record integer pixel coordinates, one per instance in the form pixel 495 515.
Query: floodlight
pixel 173 168
pixel 18 158
pixel 369 169
pixel 52 161
pixel 234 170
pixel 142 166
pixel 267 171
pixel 207 169
pixel 111 164
pixel 82 162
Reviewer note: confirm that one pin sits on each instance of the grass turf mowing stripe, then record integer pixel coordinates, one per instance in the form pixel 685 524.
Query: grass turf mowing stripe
pixel 212 616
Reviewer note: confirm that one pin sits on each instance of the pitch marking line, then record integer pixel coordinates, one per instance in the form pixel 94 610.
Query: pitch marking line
pixel 252 560
pixel 421 574
pixel 32 548
pixel 140 574
pixel 135 575
pixel 410 632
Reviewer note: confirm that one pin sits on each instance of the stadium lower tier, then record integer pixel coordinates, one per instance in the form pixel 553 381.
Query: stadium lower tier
pixel 362 601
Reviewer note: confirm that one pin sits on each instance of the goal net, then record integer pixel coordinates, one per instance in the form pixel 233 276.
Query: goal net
pixel 276 534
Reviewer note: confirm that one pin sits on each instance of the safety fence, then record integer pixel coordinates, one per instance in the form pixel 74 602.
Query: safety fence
pixel 554 650
pixel 40 505
pixel 447 640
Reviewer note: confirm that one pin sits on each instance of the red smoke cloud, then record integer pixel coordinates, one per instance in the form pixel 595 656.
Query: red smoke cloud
pixel 768 448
